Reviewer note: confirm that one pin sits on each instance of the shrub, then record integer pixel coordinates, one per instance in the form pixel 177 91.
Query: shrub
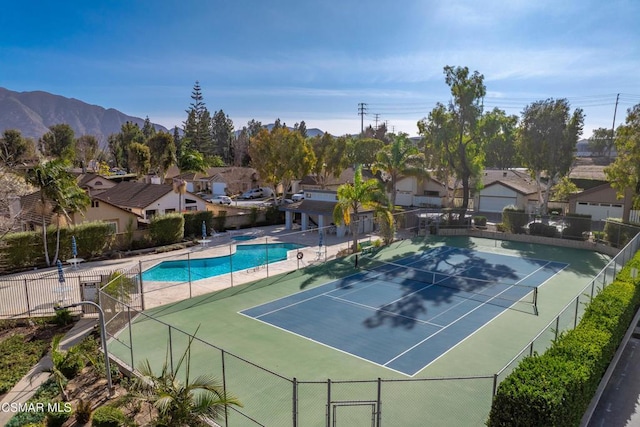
pixel 480 221
pixel 514 219
pixel 83 411
pixel 556 388
pixel 63 317
pixel 193 223
pixel 108 416
pixel 540 229
pixel 618 234
pixel 578 226
pixel 58 418
pixel 167 229
pixel 220 221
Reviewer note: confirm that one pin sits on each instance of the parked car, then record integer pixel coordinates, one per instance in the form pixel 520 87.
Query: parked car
pixel 298 196
pixel 221 200
pixel 254 193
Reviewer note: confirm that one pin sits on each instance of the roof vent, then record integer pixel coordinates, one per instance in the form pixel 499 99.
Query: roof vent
pixel 504 174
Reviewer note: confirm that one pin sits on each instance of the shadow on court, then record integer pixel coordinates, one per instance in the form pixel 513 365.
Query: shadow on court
pixel 418 294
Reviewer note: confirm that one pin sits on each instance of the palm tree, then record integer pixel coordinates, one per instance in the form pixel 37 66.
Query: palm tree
pixel 398 160
pixel 189 403
pixel 59 192
pixel 354 197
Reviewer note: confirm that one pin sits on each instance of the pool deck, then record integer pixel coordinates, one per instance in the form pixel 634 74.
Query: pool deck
pixel 221 244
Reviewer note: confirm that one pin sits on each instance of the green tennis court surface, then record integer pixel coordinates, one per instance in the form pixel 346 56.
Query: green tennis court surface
pixel 406 314
pixel 259 361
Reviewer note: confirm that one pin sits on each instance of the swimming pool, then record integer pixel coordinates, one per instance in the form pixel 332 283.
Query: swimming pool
pixel 246 256
pixel 243 238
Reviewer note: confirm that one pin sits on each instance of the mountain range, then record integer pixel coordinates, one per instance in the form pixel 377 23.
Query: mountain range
pixel 33 112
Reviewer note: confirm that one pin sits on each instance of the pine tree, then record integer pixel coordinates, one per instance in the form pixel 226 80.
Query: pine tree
pixel 197 127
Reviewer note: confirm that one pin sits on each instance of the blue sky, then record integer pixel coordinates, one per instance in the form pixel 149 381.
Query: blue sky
pixel 315 61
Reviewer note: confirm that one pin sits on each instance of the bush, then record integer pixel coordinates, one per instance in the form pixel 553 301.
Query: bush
pixel 540 229
pixel 578 226
pixel 108 416
pixel 480 221
pixel 220 221
pixel 556 388
pixel 57 419
pixel 167 229
pixel 83 411
pixel 514 219
pixel 193 223
pixel 63 317
pixel 618 234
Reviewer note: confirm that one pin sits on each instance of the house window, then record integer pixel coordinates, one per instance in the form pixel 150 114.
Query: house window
pixel 431 193
pixel 191 208
pixel 191 201
pixel 95 204
pixel 150 213
pixel 113 226
pixel 169 210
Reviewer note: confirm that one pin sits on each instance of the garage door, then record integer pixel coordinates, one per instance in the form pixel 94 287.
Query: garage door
pixel 599 211
pixel 495 203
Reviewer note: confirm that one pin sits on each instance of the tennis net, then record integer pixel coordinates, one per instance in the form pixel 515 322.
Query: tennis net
pixel 483 290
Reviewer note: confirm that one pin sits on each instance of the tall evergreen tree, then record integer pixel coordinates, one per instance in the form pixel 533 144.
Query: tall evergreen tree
pixel 197 127
pixel 222 133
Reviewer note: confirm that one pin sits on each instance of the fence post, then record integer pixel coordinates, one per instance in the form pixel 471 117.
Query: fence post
pixel 295 402
pixel 495 384
pixel 141 286
pixel 379 410
pixel 130 337
pixel 170 349
pixel 224 388
pixel 189 272
pixel 329 402
pixel 266 249
pixel 231 262
pixel 26 292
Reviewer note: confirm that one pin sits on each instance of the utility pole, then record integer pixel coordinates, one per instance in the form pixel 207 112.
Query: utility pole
pixel 613 126
pixel 377 117
pixel 362 110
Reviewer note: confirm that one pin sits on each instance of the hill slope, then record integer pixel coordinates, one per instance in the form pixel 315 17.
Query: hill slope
pixel 33 112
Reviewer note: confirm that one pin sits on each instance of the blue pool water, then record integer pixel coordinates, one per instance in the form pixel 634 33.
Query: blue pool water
pixel 246 256
pixel 243 238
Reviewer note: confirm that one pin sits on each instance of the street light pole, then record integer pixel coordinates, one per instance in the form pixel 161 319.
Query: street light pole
pixel 103 337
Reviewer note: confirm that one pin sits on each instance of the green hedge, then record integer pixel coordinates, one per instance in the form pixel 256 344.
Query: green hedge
pixel 577 226
pixel 193 223
pixel 514 220
pixel 618 234
pixel 25 249
pixel 541 229
pixel 555 389
pixel 167 229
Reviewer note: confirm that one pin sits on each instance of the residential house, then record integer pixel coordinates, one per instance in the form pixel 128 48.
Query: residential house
pixel 502 188
pixel 311 182
pixel 226 180
pixel 601 202
pixel 118 218
pixel 147 200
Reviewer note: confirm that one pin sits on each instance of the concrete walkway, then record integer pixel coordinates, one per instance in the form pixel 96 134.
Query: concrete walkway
pixel 28 385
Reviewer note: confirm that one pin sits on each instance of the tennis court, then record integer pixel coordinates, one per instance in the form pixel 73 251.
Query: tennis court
pixel 403 315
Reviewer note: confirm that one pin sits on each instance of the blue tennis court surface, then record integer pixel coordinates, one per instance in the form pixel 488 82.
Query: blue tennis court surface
pixel 406 314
